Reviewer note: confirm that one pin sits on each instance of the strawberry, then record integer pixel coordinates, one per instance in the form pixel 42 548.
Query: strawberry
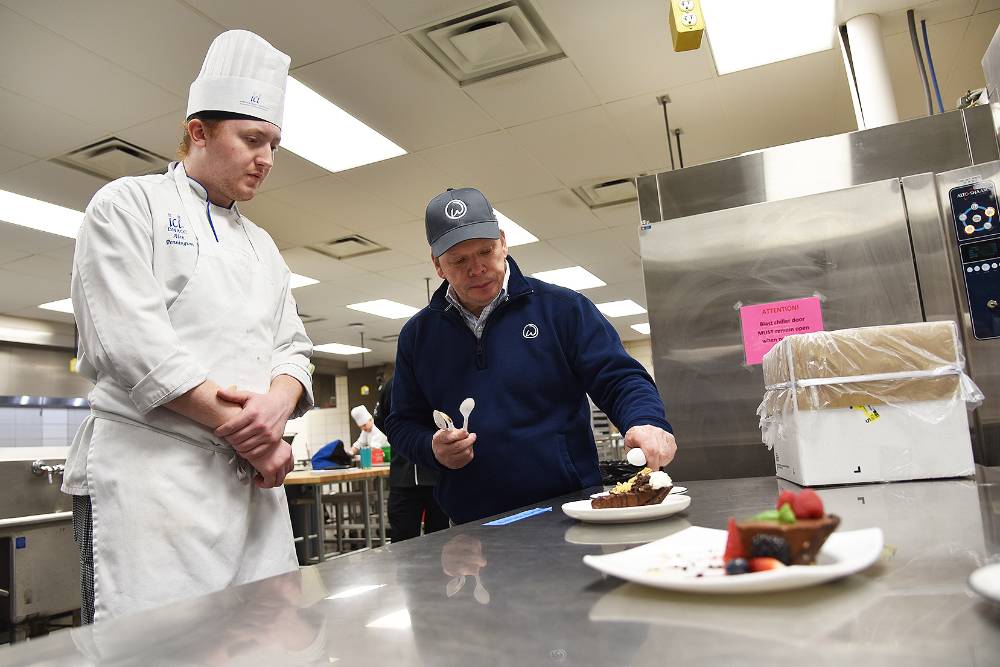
pixel 807 505
pixel 764 564
pixel 784 497
pixel 734 547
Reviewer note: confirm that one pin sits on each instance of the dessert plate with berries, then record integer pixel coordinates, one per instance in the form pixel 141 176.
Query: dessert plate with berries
pixel 793 546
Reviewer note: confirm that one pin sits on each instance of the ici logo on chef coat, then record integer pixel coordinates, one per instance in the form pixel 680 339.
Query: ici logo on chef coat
pixel 530 331
pixel 455 209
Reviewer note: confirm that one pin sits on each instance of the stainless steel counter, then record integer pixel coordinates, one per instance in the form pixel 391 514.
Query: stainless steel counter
pixel 520 594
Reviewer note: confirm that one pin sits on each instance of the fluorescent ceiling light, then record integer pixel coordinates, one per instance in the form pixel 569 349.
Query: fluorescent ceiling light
pixel 748 34
pixel 573 277
pixel 514 233
pixel 392 310
pixel 41 215
pixel 642 328
pixel 397 620
pixel 338 348
pixel 621 308
pixel 61 306
pixel 301 281
pixel 319 131
pixel 351 592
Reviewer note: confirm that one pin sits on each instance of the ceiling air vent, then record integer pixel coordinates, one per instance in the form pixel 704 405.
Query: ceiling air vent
pixel 607 193
pixel 113 158
pixel 493 41
pixel 391 338
pixel 310 319
pixel 348 246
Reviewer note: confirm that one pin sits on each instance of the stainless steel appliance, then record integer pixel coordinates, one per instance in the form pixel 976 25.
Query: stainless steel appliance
pixel 39 561
pixel 889 225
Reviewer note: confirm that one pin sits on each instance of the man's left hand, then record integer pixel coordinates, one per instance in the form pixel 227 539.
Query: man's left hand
pixel 259 426
pixel 658 445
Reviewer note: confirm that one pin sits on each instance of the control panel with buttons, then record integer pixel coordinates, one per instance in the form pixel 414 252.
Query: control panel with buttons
pixel 977 231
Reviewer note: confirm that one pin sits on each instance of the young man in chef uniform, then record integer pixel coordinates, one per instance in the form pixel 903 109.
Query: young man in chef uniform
pixel 189 331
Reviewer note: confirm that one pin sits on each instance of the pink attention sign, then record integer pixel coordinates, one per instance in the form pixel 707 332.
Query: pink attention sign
pixel 765 324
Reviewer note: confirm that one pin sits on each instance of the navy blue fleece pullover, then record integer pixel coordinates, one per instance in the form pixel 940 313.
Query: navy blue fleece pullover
pixel 542 351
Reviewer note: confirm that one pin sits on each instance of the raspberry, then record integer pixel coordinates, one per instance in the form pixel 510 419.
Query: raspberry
pixel 734 547
pixel 770 546
pixel 807 505
pixel 784 497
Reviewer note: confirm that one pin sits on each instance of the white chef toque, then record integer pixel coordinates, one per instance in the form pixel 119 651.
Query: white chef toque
pixel 361 415
pixel 242 74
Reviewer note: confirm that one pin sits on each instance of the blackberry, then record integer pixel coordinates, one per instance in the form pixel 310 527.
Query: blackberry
pixel 737 566
pixel 770 546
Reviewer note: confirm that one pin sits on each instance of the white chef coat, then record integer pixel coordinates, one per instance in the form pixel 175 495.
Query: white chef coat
pixel 376 438
pixel 166 297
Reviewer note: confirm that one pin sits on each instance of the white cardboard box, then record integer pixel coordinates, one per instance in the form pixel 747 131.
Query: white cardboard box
pixel 846 446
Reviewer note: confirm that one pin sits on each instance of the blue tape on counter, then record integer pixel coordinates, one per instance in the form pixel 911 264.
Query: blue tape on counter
pixel 517 517
pixel 20 542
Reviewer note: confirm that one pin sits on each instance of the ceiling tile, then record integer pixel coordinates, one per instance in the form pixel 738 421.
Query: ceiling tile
pixel 12 159
pixel 53 183
pixel 407 15
pixel 893 12
pixel 495 164
pixel 633 289
pixel 541 256
pixel 788 101
pixel 44 132
pixel 987 5
pixel 386 259
pixel 319 266
pixel 554 88
pixel 626 271
pixel 696 109
pixel 408 181
pixel 40 266
pixel 967 71
pixel 333 199
pixel 551 214
pixel 135 34
pixel 409 238
pixel 122 99
pixel 620 215
pixel 290 225
pixel 599 246
pixel 18 290
pixel 393 87
pixel 290 169
pixel 623 48
pixel 304 29
pixel 161 135
pixel 31 241
pixel 580 148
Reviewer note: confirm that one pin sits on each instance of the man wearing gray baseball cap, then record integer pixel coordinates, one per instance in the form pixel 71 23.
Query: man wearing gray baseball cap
pixel 528 353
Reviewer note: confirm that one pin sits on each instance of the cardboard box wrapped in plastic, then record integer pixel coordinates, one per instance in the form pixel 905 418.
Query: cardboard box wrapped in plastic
pixel 874 404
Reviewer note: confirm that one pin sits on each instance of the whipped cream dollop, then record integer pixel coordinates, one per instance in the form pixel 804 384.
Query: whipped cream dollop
pixel 660 480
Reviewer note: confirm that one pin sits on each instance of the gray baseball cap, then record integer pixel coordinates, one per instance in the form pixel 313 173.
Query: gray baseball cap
pixel 458 215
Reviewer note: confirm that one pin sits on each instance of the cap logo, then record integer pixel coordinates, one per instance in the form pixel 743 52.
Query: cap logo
pixel 455 209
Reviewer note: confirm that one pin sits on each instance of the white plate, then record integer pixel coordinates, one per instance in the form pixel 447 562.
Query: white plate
pixel 662 563
pixel 672 504
pixel 673 490
pixel 986 581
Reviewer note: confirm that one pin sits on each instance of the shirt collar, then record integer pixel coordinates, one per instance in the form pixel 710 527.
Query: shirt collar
pixel 202 193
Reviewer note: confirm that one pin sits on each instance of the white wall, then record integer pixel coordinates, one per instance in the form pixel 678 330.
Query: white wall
pixel 326 424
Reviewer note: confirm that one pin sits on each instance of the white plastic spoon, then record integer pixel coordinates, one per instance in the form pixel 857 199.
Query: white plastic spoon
pixel 466 409
pixel 636 457
pixel 443 421
pixel 480 593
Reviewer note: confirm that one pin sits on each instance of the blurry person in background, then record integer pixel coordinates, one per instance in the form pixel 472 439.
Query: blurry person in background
pixel 411 487
pixel 189 331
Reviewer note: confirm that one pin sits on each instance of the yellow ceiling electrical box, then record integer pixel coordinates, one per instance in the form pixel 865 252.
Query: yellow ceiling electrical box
pixel 687 24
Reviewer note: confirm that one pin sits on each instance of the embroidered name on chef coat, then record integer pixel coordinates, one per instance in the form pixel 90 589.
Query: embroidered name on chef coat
pixel 176 231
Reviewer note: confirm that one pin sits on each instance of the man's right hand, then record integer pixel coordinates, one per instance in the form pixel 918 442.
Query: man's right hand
pixel 453 447
pixel 273 465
